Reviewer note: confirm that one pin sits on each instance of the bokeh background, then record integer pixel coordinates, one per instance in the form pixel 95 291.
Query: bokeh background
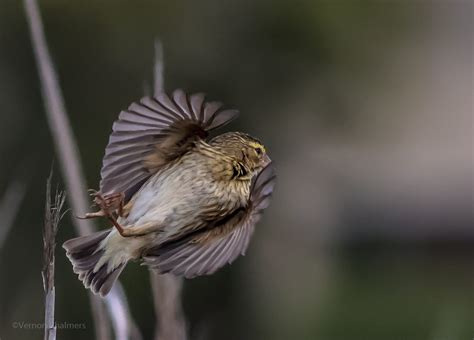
pixel 366 108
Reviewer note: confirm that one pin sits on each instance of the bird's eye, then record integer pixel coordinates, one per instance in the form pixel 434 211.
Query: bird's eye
pixel 258 151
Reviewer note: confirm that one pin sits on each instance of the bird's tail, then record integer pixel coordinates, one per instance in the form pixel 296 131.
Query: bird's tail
pixel 96 268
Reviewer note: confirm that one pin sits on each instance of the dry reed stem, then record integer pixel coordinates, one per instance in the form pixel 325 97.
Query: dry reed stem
pixel 70 164
pixel 170 320
pixel 52 217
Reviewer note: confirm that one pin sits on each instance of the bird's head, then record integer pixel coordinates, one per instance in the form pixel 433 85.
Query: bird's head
pixel 246 149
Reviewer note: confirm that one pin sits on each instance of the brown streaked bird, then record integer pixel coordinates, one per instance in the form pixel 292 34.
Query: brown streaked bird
pixel 180 201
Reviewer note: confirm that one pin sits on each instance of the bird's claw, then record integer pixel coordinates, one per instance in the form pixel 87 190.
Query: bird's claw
pixel 92 192
pixel 99 213
pixel 110 206
pixel 108 202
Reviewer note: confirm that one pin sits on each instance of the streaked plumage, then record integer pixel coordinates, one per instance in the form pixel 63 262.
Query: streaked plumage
pixel 190 203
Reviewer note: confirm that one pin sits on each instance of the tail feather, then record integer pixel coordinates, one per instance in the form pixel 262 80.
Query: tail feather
pixel 85 252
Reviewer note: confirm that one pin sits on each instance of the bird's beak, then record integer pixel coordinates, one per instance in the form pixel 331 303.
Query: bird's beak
pixel 265 161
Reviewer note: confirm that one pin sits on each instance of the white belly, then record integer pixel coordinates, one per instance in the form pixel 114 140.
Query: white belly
pixel 174 198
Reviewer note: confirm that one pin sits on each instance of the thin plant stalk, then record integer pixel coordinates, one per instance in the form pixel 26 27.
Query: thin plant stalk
pixel 71 169
pixel 171 324
pixel 52 217
pixel 170 320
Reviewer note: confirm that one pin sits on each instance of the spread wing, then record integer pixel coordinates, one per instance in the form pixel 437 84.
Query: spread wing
pixel 151 133
pixel 204 252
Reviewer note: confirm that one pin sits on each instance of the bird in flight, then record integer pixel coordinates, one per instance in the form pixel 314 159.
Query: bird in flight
pixel 178 200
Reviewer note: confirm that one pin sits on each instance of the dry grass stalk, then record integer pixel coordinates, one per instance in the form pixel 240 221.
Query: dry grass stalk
pixel 171 324
pixel 170 320
pixel 52 217
pixel 70 164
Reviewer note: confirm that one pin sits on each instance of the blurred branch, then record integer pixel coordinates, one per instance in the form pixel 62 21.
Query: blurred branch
pixel 52 217
pixel 123 324
pixel 158 69
pixel 171 324
pixel 9 206
pixel 57 119
pixel 71 169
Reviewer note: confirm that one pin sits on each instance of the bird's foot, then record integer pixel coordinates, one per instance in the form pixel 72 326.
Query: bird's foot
pixel 109 204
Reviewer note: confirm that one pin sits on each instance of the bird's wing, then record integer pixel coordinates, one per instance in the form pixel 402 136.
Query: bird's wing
pixel 151 133
pixel 205 251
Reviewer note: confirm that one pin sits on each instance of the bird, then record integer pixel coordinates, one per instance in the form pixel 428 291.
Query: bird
pixel 179 200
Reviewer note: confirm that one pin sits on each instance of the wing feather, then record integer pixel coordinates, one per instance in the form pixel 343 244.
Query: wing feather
pixel 145 127
pixel 196 101
pixel 221 118
pixel 181 102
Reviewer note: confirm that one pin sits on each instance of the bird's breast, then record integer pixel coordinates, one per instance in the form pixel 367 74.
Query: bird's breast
pixel 185 195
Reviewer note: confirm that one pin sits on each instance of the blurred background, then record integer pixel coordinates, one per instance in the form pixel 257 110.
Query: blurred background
pixel 366 108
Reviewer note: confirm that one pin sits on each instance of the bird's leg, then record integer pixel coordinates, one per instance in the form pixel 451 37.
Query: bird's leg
pixel 140 230
pixel 117 225
pixel 113 205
